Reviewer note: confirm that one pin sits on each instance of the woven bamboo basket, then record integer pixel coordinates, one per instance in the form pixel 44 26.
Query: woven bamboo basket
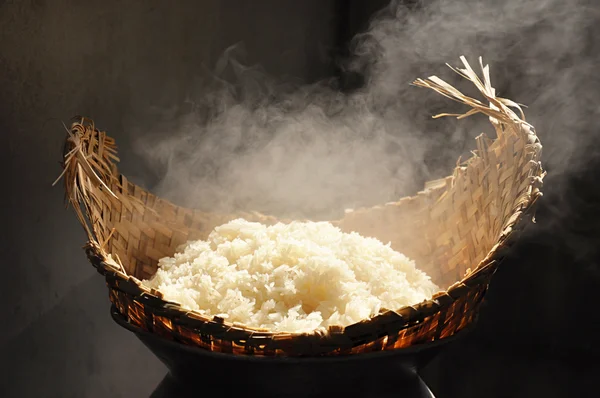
pixel 457 230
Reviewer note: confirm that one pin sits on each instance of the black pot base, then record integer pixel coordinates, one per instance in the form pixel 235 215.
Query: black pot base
pixel 194 372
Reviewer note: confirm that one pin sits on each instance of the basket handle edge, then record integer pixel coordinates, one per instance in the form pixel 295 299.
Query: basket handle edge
pixel 89 160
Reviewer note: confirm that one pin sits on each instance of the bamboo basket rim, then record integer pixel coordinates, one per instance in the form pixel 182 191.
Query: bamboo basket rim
pixel 91 171
pixel 412 350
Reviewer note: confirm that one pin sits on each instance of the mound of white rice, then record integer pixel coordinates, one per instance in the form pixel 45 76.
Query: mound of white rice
pixel 289 277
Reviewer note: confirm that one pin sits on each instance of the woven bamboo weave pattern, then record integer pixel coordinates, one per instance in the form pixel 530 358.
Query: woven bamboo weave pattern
pixel 456 230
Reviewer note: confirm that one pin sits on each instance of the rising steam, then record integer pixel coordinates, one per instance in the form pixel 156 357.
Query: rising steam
pixel 254 143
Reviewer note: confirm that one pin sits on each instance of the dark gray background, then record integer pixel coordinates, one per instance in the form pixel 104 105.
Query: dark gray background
pixel 113 60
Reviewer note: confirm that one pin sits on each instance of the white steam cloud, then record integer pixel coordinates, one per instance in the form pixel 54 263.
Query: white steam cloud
pixel 311 150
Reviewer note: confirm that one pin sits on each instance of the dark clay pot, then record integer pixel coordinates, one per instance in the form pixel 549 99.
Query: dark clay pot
pixel 194 372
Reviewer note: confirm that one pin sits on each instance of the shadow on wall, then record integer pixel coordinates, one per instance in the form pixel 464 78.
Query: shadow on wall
pixel 76 350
